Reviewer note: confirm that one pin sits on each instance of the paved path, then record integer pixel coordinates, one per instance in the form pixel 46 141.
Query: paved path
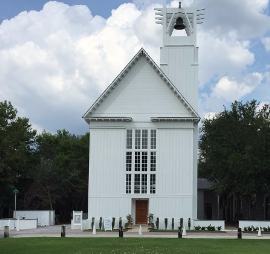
pixel 55 231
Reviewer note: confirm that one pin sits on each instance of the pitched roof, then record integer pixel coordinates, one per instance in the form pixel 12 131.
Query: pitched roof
pixel 109 89
pixel 204 184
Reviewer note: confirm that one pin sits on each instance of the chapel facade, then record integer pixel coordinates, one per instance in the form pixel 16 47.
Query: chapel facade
pixel 144 130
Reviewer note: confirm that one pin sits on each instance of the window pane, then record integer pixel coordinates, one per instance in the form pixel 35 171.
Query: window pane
pixel 152 184
pixel 128 161
pixel 128 183
pixel 144 183
pixel 144 139
pixel 137 183
pixel 129 139
pixel 144 161
pixel 137 139
pixel 137 161
pixel 153 161
pixel 153 139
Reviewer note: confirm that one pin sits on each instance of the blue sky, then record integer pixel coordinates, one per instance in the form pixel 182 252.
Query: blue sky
pixel 11 8
pixel 53 53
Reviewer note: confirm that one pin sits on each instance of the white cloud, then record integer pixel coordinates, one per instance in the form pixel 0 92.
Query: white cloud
pixel 221 55
pixel 262 103
pixel 143 4
pixel 266 43
pixel 267 76
pixel 246 17
pixel 209 115
pixel 231 90
pixel 56 62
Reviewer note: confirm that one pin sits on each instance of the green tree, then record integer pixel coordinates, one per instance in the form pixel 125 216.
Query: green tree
pixel 17 140
pixel 60 177
pixel 234 150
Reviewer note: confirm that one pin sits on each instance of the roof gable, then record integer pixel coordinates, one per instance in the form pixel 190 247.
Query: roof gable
pixel 124 75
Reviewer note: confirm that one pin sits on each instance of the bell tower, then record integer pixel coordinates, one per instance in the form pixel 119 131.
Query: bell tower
pixel 179 53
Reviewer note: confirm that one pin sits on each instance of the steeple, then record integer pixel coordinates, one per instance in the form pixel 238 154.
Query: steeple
pixel 179 54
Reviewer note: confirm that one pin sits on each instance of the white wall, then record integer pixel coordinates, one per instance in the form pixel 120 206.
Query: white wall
pixel 176 171
pixel 175 174
pixel 18 224
pixel 179 64
pixel 107 162
pixel 45 218
pixel 142 94
pixel 254 223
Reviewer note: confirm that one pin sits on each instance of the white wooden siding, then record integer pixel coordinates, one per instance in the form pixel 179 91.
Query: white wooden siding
pixel 107 162
pixel 142 94
pixel 109 206
pixel 180 65
pixel 175 161
pixel 171 207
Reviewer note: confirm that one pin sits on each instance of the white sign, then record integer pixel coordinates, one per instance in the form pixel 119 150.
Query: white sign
pixel 107 223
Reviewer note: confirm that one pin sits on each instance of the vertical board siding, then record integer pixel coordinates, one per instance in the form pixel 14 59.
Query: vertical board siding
pixel 107 150
pixel 175 161
pixel 107 206
pixel 139 95
pixel 171 207
pixel 182 70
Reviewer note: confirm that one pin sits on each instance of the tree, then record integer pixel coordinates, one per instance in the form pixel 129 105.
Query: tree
pixel 60 178
pixel 50 171
pixel 17 141
pixel 234 150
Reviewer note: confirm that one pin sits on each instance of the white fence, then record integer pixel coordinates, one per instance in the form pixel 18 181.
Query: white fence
pixel 18 224
pixel 44 217
pixel 254 223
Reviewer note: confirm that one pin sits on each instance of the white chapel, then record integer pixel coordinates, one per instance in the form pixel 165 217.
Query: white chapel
pixel 143 130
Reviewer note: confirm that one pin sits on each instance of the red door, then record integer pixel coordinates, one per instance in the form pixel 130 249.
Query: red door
pixel 141 211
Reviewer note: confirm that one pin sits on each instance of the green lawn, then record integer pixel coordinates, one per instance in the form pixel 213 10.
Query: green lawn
pixel 40 245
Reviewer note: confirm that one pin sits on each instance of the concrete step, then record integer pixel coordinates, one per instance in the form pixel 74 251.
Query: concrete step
pixel 136 228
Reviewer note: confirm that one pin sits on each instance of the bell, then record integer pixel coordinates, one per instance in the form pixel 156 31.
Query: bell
pixel 179 25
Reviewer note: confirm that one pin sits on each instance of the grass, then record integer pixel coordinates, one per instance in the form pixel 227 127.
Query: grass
pixel 68 245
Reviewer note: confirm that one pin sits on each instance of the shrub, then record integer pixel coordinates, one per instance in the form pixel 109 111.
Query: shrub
pixel 120 222
pixel 181 223
pixel 113 222
pixel 203 228
pixel 129 219
pixel 219 228
pixel 210 228
pixel 92 223
pixel 172 223
pixel 166 223
pixel 197 227
pixel 189 223
pixel 100 223
pixel 150 217
pixel 157 223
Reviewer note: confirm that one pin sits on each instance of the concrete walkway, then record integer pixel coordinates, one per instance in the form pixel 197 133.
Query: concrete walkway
pixel 55 231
